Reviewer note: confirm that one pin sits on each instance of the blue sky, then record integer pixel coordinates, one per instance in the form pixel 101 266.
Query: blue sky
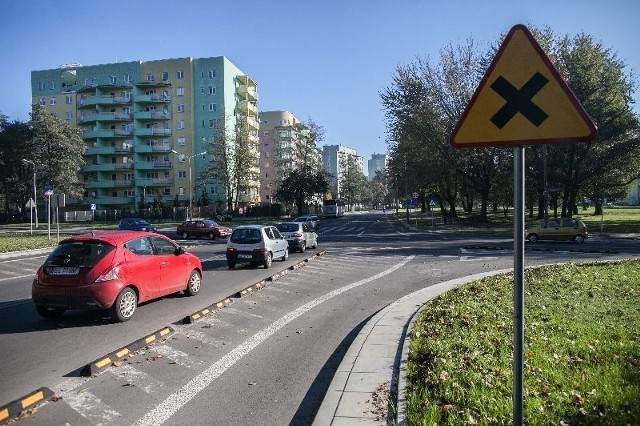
pixel 326 60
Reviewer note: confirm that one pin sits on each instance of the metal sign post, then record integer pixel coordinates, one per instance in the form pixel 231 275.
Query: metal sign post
pixel 518 284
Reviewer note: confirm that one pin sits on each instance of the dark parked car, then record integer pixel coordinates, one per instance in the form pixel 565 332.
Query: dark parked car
pixel 134 224
pixel 113 270
pixel 203 228
pixel 299 235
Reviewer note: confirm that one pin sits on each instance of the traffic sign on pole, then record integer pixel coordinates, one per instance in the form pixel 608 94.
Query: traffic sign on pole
pixel 522 100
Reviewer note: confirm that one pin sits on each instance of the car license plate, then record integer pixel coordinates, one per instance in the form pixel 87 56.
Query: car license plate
pixel 65 270
pixel 244 256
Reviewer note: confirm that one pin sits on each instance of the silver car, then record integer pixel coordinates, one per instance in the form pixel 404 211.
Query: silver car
pixel 257 245
pixel 299 235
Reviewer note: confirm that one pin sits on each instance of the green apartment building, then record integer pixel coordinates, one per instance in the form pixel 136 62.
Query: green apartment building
pixel 148 124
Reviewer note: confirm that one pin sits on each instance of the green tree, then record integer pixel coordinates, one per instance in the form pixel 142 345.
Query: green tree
pixel 15 174
pixel 353 183
pixel 605 166
pixel 57 149
pixel 299 188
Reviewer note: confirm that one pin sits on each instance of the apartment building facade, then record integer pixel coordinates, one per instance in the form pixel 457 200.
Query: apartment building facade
pixel 377 163
pixel 334 158
pixel 148 125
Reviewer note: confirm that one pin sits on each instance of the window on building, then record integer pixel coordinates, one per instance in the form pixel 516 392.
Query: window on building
pixel 68 99
pixel 181 191
pixel 52 101
pixel 127 78
pixel 202 90
pixel 182 141
pixel 42 101
pixel 212 90
pixel 129 193
pixel 179 91
pixel 180 75
pixel 42 85
pixel 212 123
pixel 52 85
pixel 266 154
pixel 212 73
pixel 114 194
pixel 266 133
pixel 180 124
pixel 165 76
pixel 150 77
pixel 212 107
pixel 180 108
pixel 182 174
pixel 113 79
pixel 68 115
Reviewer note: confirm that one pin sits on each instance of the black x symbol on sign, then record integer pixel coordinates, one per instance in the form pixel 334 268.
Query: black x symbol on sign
pixel 519 101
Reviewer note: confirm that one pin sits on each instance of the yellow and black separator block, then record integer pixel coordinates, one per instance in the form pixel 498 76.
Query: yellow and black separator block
pixel 14 408
pixel 206 311
pixel 249 290
pixel 118 355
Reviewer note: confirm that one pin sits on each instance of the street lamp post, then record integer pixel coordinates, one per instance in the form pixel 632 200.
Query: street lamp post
pixel 35 193
pixel 189 212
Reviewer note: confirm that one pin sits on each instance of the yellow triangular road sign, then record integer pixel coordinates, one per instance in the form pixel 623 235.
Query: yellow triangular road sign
pixel 522 100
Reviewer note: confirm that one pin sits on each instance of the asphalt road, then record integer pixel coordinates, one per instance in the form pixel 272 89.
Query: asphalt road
pixel 266 357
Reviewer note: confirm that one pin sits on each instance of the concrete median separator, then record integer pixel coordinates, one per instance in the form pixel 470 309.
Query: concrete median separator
pixel 118 355
pixel 14 408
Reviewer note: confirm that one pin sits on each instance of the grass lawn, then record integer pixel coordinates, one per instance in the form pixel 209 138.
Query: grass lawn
pixel 582 350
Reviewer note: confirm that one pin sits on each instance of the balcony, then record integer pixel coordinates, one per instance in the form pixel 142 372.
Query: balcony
pixel 143 148
pixel 107 167
pixel 248 107
pixel 91 184
pixel 246 88
pixel 113 150
pixel 150 84
pixel 94 101
pixel 148 132
pixel 154 182
pixel 105 133
pixel 104 117
pixel 153 98
pixel 153 165
pixel 152 115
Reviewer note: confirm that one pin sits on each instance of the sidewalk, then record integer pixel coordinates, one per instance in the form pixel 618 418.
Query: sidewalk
pixel 372 375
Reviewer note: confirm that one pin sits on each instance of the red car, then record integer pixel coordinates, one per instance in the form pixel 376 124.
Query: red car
pixel 113 270
pixel 203 228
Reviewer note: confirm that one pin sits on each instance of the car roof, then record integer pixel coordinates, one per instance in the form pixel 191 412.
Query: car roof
pixel 109 237
pixel 252 226
pixel 289 223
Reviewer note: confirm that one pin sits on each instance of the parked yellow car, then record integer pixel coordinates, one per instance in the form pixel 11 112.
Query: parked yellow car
pixel 561 229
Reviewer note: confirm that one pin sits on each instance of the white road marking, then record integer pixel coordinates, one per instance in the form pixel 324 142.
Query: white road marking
pixel 137 378
pixel 176 356
pixel 91 407
pixel 163 411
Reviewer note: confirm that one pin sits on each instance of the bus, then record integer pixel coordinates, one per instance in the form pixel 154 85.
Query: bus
pixel 333 208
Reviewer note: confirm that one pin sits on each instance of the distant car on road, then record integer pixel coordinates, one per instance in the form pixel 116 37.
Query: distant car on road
pixel 203 228
pixel 135 224
pixel 299 235
pixel 312 221
pixel 114 270
pixel 562 229
pixel 256 244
